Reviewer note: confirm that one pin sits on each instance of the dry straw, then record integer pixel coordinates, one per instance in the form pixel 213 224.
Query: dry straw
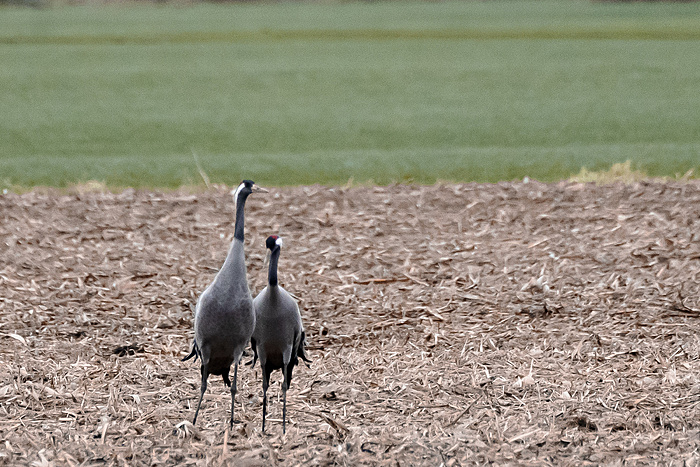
pixel 521 324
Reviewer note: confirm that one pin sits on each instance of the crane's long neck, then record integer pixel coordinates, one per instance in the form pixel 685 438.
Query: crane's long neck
pixel 239 231
pixel 272 272
pixel 232 274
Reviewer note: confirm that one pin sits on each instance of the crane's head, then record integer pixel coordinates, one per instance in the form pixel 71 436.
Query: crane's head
pixel 245 188
pixel 273 242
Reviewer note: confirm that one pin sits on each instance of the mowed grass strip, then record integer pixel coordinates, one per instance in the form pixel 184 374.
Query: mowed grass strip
pixel 419 19
pixel 361 34
pixel 300 93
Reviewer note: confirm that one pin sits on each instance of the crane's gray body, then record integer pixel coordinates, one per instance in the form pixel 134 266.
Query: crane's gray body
pixel 224 317
pixel 278 327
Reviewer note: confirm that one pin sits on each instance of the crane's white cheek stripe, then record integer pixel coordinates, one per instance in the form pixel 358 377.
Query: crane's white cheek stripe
pixel 279 242
pixel 238 190
pixel 235 193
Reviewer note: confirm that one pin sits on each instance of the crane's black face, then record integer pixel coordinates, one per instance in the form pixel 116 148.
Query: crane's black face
pixel 272 242
pixel 246 188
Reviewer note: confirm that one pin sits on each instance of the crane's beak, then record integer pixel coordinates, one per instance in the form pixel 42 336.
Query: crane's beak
pixel 258 189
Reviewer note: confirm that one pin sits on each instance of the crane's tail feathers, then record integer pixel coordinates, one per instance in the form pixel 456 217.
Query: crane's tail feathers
pixel 301 351
pixel 194 353
pixel 255 353
pixel 303 356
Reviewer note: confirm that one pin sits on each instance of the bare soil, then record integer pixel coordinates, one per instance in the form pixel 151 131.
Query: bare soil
pixel 516 324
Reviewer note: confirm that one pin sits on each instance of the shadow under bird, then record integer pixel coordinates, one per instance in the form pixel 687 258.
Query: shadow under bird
pixel 279 337
pixel 224 318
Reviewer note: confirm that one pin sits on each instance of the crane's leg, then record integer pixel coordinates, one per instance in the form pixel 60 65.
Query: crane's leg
pixel 266 384
pixel 233 389
pixel 285 385
pixel 205 375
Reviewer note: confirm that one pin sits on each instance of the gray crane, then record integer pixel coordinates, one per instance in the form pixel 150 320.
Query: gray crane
pixel 224 318
pixel 279 337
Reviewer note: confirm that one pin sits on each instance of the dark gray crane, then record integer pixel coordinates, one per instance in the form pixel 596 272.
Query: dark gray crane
pixel 279 337
pixel 224 318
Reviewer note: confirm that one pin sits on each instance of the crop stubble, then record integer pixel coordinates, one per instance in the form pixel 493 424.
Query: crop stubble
pixel 527 324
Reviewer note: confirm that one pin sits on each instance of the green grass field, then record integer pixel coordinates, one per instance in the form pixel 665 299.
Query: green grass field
pixel 317 93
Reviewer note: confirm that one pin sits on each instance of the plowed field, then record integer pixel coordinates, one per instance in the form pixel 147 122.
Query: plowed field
pixel 523 324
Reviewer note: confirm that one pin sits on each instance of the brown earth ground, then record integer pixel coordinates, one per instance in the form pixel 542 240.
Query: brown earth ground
pixel 521 324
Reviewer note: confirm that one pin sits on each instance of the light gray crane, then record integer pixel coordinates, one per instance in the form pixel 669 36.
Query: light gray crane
pixel 224 318
pixel 279 337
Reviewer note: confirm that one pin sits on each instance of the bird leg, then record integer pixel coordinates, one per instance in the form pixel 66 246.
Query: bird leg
pixel 233 390
pixel 205 375
pixel 266 384
pixel 285 385
pixel 284 410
